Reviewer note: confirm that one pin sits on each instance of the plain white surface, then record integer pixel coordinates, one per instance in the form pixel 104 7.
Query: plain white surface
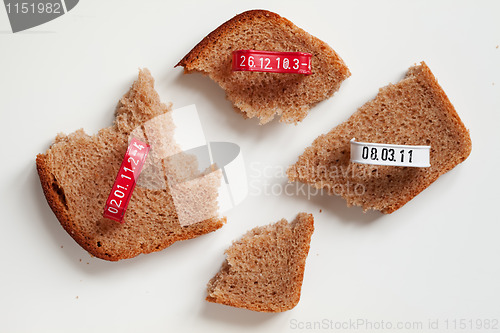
pixel 434 259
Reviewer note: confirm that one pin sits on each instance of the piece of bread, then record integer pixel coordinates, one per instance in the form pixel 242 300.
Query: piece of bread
pixel 78 171
pixel 264 269
pixel 415 111
pixel 265 95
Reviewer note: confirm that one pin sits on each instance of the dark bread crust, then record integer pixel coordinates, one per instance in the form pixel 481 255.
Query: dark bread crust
pixel 244 292
pixel 77 172
pixel 265 95
pixel 55 197
pixel 189 60
pixel 415 111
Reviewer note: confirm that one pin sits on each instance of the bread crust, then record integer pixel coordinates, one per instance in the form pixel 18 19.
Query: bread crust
pixel 226 27
pixel 49 185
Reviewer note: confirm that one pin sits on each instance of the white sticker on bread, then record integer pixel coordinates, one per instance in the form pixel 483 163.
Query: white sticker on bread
pixel 390 154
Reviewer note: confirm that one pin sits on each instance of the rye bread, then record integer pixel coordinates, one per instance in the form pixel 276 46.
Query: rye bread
pixel 265 95
pixel 415 111
pixel 77 173
pixel 264 269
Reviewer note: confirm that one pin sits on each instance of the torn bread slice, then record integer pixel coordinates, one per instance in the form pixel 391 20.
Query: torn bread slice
pixel 415 111
pixel 78 171
pixel 264 269
pixel 265 95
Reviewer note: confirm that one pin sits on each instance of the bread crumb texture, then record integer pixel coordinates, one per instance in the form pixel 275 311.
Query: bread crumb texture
pixel 415 111
pixel 264 269
pixel 265 95
pixel 78 171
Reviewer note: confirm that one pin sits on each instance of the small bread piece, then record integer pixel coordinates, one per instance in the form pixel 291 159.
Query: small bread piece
pixel 265 95
pixel 78 171
pixel 415 111
pixel 264 269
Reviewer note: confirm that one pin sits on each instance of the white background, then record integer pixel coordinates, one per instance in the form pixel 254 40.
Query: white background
pixel 434 259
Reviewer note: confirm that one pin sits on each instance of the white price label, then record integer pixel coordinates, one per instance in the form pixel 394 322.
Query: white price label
pixel 388 154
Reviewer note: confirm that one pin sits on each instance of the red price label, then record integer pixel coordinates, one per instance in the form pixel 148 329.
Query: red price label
pixel 275 62
pixel 131 167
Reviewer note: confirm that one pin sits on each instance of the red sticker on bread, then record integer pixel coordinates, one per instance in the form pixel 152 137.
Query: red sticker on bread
pixel 131 167
pixel 274 62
